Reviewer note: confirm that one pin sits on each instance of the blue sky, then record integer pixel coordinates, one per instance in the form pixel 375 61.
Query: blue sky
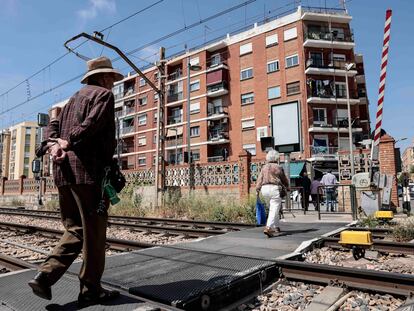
pixel 33 33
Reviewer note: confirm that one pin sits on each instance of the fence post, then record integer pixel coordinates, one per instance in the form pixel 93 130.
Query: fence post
pixel 21 181
pixel 3 184
pixel 244 171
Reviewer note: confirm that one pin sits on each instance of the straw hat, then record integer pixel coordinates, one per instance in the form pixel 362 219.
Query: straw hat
pixel 101 65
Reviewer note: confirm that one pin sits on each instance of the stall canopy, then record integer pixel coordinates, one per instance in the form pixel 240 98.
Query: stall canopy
pixel 296 169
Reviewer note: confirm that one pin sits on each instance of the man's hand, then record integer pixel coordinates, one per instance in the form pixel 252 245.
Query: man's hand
pixel 64 144
pixel 57 153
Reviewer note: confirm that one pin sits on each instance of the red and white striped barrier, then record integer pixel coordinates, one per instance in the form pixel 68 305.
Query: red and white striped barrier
pixel 383 74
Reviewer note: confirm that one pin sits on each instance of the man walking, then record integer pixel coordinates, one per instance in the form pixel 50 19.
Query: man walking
pixel 306 184
pixel 82 143
pixel 329 181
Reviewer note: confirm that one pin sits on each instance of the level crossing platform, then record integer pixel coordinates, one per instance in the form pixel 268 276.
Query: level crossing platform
pixel 206 274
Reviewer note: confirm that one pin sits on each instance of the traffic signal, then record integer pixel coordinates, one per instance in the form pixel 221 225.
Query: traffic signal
pixel 36 166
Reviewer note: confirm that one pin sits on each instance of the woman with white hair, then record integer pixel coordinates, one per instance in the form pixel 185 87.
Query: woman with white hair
pixel 270 182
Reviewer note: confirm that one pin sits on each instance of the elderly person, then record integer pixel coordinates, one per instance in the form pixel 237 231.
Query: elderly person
pixel 81 142
pixel 270 182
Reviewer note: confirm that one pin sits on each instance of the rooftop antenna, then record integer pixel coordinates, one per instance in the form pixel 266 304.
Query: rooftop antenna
pixel 342 4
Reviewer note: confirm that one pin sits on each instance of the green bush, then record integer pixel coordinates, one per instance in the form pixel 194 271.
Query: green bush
pixel 404 231
pixel 52 205
pixel 16 202
pixel 369 221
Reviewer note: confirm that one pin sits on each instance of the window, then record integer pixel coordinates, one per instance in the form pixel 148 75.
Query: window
pixel 248 124
pixel 246 48
pixel 28 130
pixel 156 96
pixel 292 61
pixel 290 34
pixel 338 34
pixel 154 138
pixel 118 91
pixel 261 132
pixel 293 88
pixel 340 88
pixel 273 92
pixel 271 40
pixel 195 108
pixel 195 61
pixel 247 98
pixel 215 60
pixel 142 101
pixel 142 82
pixel 155 117
pixel 142 141
pixel 272 66
pixel 27 148
pixel 194 131
pixel 142 119
pixel 195 86
pixel 195 153
pixel 141 161
pixel 246 74
pixel 251 148
pixel 319 116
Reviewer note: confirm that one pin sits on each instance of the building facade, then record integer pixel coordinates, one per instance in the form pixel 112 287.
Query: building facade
pixel 408 160
pixel 18 144
pixel 300 57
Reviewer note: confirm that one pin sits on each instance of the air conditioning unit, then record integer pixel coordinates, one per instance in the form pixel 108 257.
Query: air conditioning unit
pixel 225 120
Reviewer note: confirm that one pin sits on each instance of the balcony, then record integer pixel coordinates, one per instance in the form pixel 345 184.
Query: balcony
pixel 326 66
pixel 360 79
pixel 173 97
pixel 324 14
pixel 218 135
pixel 174 142
pixel 175 75
pixel 325 92
pixel 128 130
pixel 215 159
pixel 334 126
pixel 174 120
pixel 324 153
pixel 129 91
pixel 216 62
pixel 216 113
pixel 217 89
pixel 323 38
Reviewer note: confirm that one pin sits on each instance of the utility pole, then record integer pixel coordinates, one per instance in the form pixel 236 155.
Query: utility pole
pixel 351 146
pixel 160 143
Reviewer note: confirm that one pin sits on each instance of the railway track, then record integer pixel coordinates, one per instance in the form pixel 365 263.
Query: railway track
pixel 189 228
pixel 14 264
pixel 115 244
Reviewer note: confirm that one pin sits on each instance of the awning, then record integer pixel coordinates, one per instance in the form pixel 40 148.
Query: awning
pixel 295 169
pixel 172 132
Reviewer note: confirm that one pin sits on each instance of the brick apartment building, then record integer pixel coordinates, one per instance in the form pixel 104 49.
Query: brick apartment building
pixel 297 57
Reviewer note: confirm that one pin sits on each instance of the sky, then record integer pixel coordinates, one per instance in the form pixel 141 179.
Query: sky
pixel 33 33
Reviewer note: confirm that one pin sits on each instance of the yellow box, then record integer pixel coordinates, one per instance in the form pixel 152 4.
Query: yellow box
pixel 349 237
pixel 384 214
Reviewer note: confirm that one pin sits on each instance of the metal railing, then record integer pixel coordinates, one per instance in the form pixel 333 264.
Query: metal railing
pixel 174 142
pixel 175 75
pixel 326 35
pixel 216 61
pixel 128 129
pixel 337 11
pixel 215 159
pixel 334 122
pixel 216 110
pixel 172 97
pixel 327 91
pixel 174 120
pixel 323 151
pixel 129 91
pixel 218 133
pixel 315 62
pixel 217 87
pixel 336 199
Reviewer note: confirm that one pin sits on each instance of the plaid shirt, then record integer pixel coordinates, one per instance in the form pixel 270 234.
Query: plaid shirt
pixel 87 122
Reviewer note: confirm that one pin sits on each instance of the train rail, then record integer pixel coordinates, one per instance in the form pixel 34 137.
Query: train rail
pixel 14 264
pixel 115 244
pixel 190 228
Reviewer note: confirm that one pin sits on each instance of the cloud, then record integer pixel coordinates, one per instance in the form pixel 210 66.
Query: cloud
pixel 95 7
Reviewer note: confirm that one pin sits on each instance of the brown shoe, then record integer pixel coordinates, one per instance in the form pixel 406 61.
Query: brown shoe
pixel 41 286
pixel 88 298
pixel 268 231
pixel 277 230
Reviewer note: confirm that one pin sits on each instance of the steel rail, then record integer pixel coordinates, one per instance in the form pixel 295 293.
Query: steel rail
pixel 14 264
pixel 378 245
pixel 186 227
pixel 117 244
pixel 369 280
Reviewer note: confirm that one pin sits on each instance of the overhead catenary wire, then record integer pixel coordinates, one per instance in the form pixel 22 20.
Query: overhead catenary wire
pixel 211 17
pixel 65 54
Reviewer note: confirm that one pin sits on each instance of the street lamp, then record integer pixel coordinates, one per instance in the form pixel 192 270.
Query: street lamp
pixel 349 66
pixel 189 69
pixel 401 139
